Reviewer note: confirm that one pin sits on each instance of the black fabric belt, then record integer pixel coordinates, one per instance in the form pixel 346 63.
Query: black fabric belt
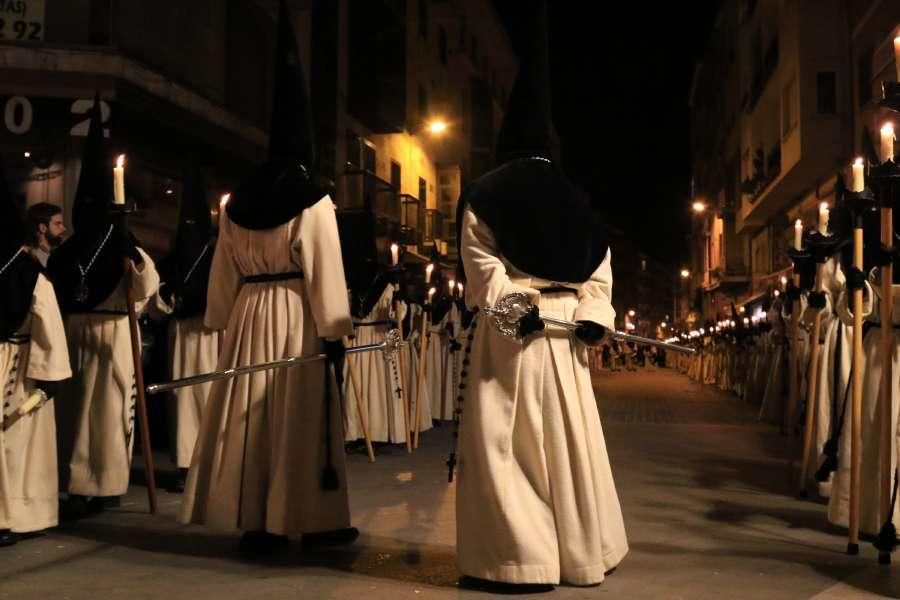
pixel 557 289
pixel 267 277
pixel 18 339
pixel 371 323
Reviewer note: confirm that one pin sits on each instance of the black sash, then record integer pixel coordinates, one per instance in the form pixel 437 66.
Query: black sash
pixel 268 277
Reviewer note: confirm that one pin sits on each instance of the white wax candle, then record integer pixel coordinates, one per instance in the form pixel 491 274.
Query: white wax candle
pixel 459 286
pixel 428 270
pixel 119 180
pixel 395 254
pixel 798 235
pixel 823 218
pixel 897 55
pixel 859 177
pixel 223 201
pixel 452 286
pixel 431 293
pixel 887 142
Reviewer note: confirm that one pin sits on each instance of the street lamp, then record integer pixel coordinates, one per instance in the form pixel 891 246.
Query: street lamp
pixel 437 127
pixel 685 273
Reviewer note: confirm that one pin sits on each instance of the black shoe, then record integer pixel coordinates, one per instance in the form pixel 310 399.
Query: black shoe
pixel 180 481
pixel 500 587
pixel 331 538
pixel 75 507
pixel 8 538
pixel 262 543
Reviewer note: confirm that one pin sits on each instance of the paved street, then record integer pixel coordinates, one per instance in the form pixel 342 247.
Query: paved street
pixel 703 487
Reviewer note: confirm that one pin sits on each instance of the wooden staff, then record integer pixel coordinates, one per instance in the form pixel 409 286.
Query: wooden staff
pixel 856 399
pixel 886 472
pixel 811 385
pixel 139 382
pixel 403 381
pixel 420 379
pixel 793 362
pixel 363 419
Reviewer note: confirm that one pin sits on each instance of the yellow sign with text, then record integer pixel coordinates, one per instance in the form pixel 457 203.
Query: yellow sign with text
pixel 22 20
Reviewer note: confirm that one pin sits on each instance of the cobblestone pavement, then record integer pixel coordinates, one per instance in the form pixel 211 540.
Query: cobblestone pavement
pixel 703 487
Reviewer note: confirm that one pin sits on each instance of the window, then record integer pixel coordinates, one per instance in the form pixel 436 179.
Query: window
pixel 789 111
pixel 423 18
pixel 353 143
pixel 864 68
pixel 442 45
pixel 423 193
pixel 826 92
pixel 369 158
pixel 396 181
pixel 423 101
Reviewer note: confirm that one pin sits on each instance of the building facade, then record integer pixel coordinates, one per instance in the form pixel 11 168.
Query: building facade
pixel 779 105
pixel 190 83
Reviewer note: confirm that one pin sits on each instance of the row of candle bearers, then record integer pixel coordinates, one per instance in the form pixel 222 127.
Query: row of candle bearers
pixel 858 183
pixel 452 286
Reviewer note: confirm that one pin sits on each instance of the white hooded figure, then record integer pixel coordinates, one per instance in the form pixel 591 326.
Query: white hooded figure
pixel 536 502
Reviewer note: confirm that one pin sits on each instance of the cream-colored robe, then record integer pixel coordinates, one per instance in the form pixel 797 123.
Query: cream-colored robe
pixel 379 379
pixel 28 472
pixel 412 373
pixel 440 367
pixel 536 502
pixel 96 410
pixel 871 517
pixel 261 451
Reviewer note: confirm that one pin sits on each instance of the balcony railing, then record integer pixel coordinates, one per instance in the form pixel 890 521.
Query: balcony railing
pixel 434 225
pixel 411 220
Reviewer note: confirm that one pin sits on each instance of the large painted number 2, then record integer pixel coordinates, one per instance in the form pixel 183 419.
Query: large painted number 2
pixel 82 107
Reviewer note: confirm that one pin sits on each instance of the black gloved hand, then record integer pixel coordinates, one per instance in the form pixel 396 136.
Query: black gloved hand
pixel 590 333
pixel 51 388
pixel 530 322
pixel 334 352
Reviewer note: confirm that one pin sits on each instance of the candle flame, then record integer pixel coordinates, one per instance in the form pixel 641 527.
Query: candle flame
pixel 451 284
pixel 120 161
pixel 459 286
pixel 784 281
pixel 395 248
pixel 224 200
pixel 777 293
pixel 798 224
pixel 823 207
pixel 887 129
pixel 858 162
pixel 431 292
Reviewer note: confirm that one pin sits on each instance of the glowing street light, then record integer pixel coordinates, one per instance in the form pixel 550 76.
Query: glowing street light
pixel 698 207
pixel 437 127
pixel 685 273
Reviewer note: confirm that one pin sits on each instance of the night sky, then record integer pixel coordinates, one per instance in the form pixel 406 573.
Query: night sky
pixel 621 78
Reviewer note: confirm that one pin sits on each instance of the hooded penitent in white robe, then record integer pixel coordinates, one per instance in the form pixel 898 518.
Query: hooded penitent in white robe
pixel 439 367
pixel 96 410
pixel 261 451
pixel 28 470
pixel 871 516
pixel 536 501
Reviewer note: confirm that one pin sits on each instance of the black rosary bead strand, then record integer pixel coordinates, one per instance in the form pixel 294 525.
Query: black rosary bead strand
pixel 460 398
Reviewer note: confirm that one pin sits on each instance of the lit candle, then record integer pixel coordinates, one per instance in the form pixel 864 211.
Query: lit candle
pixel 428 270
pixel 823 218
pixel 897 55
pixel 746 321
pixel 395 254
pixel 452 286
pixel 223 201
pixel 119 180
pixel 777 293
pixel 859 177
pixel 459 286
pixel 431 293
pixel 798 235
pixel 887 142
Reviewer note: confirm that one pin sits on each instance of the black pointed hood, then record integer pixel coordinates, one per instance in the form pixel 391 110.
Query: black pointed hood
pixel 19 271
pixel 527 128
pixel 543 223
pixel 278 190
pixel 186 269
pixel 94 233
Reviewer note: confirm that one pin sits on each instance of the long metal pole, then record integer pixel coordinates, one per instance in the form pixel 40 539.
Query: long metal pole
pixel 291 361
pixel 625 337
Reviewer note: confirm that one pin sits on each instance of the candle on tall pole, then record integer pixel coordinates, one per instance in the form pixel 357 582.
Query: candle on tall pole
pixel 404 382
pixel 824 214
pixel 859 177
pixel 428 271
pixel 395 255
pixel 897 56
pixel 887 142
pixel 798 235
pixel 119 180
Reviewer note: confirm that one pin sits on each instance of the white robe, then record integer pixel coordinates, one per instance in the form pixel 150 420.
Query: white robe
pixel 441 365
pixel 379 379
pixel 871 516
pixel 96 411
pixel 28 470
pixel 260 454
pixel 530 425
